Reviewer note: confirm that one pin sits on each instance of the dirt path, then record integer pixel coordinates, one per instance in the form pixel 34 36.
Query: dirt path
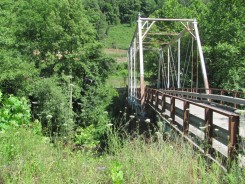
pixel 118 54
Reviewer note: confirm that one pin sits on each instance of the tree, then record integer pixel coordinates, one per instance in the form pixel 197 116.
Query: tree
pixel 44 44
pixel 224 42
pixel 96 17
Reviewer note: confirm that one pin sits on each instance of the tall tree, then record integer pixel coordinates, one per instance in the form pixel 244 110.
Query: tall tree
pixel 224 39
pixel 50 51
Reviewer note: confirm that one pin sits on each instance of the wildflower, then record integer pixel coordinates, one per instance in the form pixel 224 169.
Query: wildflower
pixel 132 116
pixel 147 120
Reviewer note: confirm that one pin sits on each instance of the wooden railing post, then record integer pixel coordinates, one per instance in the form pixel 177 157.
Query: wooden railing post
pixel 186 117
pixel 156 100
pixel 152 96
pixel 172 109
pixel 222 93
pixel 233 138
pixel 235 105
pixel 146 94
pixel 208 130
pixel 210 92
pixel 163 102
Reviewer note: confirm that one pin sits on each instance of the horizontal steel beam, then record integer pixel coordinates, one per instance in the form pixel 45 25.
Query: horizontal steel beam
pixel 160 43
pixel 167 19
pixel 163 33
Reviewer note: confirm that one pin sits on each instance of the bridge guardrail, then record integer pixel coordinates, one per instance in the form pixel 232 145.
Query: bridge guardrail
pixel 217 129
pixel 220 96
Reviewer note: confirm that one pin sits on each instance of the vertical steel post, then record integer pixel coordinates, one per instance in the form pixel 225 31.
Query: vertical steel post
pixel 135 52
pixel 131 71
pixel 204 72
pixel 159 69
pixel 142 85
pixel 168 67
pixel 179 63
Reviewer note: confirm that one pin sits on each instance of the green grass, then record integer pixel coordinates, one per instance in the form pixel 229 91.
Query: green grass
pixel 26 157
pixel 119 36
pixel 119 77
pixel 117 81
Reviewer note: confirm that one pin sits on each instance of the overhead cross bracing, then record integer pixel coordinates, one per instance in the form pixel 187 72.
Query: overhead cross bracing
pixel 164 35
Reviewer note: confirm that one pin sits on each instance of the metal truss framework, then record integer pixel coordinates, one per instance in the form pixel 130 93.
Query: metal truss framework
pixel 144 31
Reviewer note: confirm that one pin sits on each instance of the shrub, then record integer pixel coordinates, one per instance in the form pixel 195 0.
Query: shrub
pixel 14 111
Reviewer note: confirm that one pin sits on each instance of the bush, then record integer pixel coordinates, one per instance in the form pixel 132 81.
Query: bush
pixel 14 111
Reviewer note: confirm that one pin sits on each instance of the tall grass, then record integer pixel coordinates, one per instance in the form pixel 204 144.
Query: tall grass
pixel 26 157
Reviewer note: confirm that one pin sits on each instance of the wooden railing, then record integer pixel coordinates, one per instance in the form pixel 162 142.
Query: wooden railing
pixel 217 130
pixel 234 99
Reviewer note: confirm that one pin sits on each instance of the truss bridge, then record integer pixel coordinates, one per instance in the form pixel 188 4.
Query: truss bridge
pixel 167 73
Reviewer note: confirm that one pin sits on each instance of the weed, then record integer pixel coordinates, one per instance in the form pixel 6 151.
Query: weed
pixel 117 173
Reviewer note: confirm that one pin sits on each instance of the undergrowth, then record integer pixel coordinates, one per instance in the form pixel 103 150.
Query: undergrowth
pixel 28 157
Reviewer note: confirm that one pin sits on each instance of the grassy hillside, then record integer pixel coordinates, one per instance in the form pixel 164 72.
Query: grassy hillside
pixel 119 36
pixel 117 43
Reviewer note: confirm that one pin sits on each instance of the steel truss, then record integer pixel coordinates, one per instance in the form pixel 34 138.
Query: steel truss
pixel 145 30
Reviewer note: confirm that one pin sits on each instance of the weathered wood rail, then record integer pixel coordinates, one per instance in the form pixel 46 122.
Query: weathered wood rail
pixel 223 97
pixel 212 130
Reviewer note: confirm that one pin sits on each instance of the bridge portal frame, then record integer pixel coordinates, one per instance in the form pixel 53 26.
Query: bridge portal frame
pixel 136 48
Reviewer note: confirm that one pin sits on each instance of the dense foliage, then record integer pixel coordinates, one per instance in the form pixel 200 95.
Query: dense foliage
pixel 224 41
pixel 14 112
pixel 51 55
